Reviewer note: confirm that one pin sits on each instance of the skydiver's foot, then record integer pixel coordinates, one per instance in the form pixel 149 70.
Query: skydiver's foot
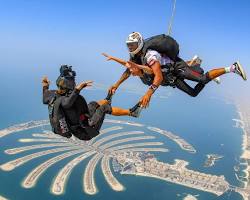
pixel 109 98
pixel 73 138
pixel 238 69
pixel 136 110
pixel 217 80
pixel 196 60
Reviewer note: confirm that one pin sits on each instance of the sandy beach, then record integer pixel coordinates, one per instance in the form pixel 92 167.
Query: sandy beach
pixel 2 198
pixel 245 152
pixel 190 197
pixel 245 143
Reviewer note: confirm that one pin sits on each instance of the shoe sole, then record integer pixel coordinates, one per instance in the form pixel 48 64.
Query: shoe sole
pixel 137 114
pixel 242 71
pixel 216 80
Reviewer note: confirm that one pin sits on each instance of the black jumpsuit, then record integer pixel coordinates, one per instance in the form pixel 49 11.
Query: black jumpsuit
pixel 73 105
pixel 182 71
pixel 176 77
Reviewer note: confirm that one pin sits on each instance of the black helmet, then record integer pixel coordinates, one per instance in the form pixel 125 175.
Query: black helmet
pixel 66 80
pixel 66 71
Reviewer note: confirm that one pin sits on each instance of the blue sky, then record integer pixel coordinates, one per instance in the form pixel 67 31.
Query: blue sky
pixel 37 36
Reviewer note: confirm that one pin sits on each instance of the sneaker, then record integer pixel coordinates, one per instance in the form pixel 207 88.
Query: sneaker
pixel 217 80
pixel 136 110
pixel 238 69
pixel 109 97
pixel 196 60
pixel 73 138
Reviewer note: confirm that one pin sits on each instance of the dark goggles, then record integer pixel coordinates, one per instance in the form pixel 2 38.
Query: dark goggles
pixel 132 44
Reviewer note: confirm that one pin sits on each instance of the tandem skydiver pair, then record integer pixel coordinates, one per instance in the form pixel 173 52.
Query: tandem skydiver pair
pixel 157 63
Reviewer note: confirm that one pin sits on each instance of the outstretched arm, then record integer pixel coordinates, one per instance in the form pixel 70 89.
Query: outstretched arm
pixel 122 62
pixel 145 68
pixel 124 77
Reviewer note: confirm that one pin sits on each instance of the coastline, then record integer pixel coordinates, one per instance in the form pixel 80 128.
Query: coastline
pixel 245 152
pixel 2 198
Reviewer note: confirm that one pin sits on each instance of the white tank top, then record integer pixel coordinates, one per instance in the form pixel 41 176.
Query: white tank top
pixel 152 56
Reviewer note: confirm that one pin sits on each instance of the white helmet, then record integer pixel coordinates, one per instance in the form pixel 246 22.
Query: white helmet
pixel 135 37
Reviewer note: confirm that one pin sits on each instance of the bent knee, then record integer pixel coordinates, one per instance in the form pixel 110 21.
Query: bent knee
pixel 106 108
pixel 194 95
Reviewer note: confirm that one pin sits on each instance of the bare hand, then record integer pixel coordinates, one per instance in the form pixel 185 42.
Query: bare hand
pixel 112 89
pixel 45 81
pixel 82 85
pixel 107 56
pixel 145 100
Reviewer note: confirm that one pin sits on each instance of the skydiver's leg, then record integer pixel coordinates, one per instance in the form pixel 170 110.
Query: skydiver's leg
pixel 116 111
pixel 234 68
pixel 184 72
pixel 188 73
pixel 100 109
pixel 102 102
pixel 182 85
pixel 97 114
pixel 214 73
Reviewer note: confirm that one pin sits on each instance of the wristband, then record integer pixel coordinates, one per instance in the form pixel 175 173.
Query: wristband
pixel 153 87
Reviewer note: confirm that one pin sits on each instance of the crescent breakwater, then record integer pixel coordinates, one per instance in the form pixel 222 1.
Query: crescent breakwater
pixel 33 124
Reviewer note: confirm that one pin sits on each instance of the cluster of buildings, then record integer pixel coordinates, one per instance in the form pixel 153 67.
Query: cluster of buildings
pixel 145 164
